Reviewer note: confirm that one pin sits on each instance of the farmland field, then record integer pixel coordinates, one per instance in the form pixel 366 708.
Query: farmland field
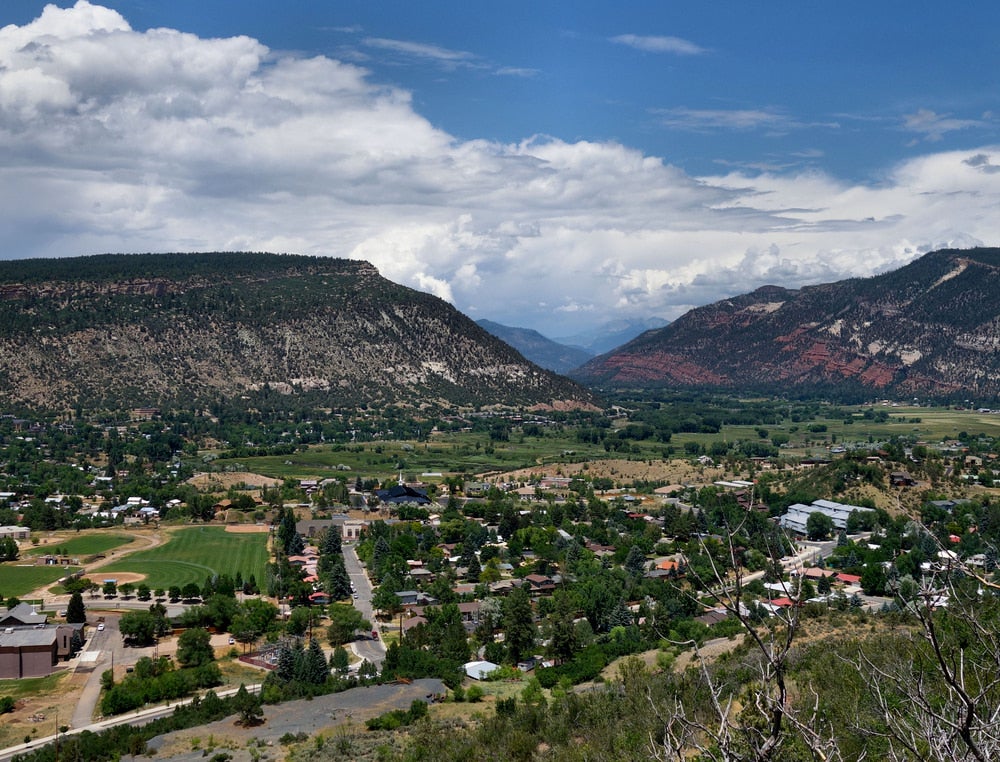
pixel 474 453
pixel 194 553
pixel 87 544
pixel 20 580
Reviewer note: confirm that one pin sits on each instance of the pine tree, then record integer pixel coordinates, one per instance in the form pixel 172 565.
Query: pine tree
pixel 316 670
pixel 338 584
pixel 472 575
pixel 635 561
pixel 332 543
pixel 518 625
pixel 248 706
pixel 285 668
pixel 76 612
pixel 299 655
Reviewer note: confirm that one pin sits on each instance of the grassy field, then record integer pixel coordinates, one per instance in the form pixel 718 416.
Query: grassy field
pixel 21 580
pixel 473 453
pixel 84 544
pixel 452 453
pixel 194 553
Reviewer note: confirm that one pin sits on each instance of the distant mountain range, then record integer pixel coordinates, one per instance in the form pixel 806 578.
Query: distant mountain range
pixel 931 328
pixel 612 334
pixel 564 355
pixel 538 349
pixel 188 330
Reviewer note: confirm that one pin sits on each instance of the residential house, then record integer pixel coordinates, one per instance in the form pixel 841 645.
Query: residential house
pixel 541 584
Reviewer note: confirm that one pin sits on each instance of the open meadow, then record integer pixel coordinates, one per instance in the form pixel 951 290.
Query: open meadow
pixel 191 554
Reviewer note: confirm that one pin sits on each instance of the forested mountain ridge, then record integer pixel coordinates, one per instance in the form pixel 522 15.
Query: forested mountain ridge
pixel 538 348
pixel 931 328
pixel 120 331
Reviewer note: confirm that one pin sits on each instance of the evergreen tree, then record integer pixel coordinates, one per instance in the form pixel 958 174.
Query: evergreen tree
pixel 315 670
pixel 338 584
pixel 299 655
pixel 825 585
pixel 248 707
pixel 76 612
pixel 474 570
pixel 285 668
pixel 339 660
pixel 621 616
pixel 635 561
pixel 564 640
pixel 380 554
pixel 331 542
pixel 518 625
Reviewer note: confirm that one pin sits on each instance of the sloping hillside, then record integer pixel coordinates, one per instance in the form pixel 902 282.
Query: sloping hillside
pixel 537 348
pixel 931 328
pixel 120 331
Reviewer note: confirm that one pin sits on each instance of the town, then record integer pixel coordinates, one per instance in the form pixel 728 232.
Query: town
pixel 136 581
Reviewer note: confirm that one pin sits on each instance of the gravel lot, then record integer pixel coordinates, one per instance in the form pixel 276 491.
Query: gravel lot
pixel 310 717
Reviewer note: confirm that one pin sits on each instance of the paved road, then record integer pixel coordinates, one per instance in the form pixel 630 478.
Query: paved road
pixel 372 650
pixel 111 652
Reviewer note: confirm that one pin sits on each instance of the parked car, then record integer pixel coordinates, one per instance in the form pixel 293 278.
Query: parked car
pixel 232 641
pixel 374 634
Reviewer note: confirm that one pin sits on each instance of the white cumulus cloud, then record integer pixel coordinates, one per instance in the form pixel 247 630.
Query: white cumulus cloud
pixel 117 140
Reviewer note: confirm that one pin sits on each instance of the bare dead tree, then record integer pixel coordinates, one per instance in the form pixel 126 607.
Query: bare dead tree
pixel 940 700
pixel 766 719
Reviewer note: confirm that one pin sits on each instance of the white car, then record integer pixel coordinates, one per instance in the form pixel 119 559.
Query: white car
pixel 100 627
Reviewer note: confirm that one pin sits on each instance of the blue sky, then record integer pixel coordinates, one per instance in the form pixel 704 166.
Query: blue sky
pixel 552 165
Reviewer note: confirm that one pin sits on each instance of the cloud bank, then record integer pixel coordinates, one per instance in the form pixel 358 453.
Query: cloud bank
pixel 118 140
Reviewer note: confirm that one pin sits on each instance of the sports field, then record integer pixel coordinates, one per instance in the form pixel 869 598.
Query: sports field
pixel 194 553
pixel 20 580
pixel 84 544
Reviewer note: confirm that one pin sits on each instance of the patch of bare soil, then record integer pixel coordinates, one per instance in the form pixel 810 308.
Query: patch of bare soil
pixel 247 528
pixel 221 482
pixel 679 472
pixel 122 577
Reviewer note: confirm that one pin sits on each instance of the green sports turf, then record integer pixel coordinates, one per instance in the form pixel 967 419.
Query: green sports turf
pixel 88 544
pixel 191 555
pixel 21 580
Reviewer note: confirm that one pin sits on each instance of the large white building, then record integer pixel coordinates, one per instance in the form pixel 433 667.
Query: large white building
pixel 15 533
pixel 797 515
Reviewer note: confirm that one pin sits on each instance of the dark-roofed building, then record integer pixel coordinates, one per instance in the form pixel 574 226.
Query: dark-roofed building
pixel 22 615
pixel 28 652
pixel 402 494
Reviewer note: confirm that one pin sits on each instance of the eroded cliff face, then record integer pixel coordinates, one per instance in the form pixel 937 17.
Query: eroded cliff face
pixel 225 325
pixel 930 328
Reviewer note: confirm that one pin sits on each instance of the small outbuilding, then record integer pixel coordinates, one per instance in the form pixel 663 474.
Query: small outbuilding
pixel 479 670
